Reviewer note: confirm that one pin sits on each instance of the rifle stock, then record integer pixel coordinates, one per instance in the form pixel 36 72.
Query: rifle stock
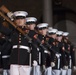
pixel 4 9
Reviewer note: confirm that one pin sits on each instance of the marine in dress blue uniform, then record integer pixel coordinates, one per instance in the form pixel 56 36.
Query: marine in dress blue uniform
pixel 35 51
pixel 19 59
pixel 42 28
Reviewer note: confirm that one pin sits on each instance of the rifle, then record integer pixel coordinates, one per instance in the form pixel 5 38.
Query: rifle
pixel 4 9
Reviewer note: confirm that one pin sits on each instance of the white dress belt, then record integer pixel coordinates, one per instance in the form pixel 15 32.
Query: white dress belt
pixel 5 56
pixel 22 47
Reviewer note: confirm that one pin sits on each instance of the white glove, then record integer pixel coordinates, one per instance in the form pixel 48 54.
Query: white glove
pixel 10 15
pixel 47 52
pixel 52 64
pixel 65 67
pixel 35 63
pixel 74 67
pixel 58 55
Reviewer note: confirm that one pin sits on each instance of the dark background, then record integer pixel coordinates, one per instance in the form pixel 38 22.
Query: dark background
pixel 33 7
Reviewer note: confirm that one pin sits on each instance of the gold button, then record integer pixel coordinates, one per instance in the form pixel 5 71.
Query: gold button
pixel 19 35
pixel 19 38
pixel 19 41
